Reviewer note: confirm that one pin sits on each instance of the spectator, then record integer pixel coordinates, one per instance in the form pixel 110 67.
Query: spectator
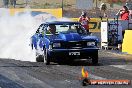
pixel 26 2
pixel 84 20
pixel 6 2
pixel 124 13
pixel 13 3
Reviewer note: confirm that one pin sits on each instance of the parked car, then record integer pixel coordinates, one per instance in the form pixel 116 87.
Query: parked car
pixel 60 40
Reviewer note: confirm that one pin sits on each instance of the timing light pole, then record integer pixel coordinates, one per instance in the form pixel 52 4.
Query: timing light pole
pixel 62 4
pixel 96 4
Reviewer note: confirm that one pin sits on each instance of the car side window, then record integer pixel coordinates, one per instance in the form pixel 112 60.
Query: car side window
pixel 40 29
pixel 72 28
pixel 79 29
pixel 51 29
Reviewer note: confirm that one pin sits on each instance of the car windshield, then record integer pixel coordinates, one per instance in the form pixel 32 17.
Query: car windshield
pixel 65 28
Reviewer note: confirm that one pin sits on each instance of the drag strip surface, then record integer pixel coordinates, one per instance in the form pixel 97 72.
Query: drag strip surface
pixel 22 74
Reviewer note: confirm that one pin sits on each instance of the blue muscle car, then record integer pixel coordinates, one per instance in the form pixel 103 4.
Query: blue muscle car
pixel 59 40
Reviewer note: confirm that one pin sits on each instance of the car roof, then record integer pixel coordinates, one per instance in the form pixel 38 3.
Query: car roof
pixel 62 22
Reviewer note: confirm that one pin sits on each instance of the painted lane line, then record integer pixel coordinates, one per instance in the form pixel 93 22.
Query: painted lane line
pixel 68 81
pixel 124 67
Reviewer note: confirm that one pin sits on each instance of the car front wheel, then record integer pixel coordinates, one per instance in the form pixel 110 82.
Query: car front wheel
pixel 46 57
pixel 95 58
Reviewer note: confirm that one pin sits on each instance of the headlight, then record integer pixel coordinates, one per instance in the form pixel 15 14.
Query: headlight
pixel 90 43
pixel 56 45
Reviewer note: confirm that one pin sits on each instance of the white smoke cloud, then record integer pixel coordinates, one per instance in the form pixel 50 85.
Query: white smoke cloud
pixel 15 34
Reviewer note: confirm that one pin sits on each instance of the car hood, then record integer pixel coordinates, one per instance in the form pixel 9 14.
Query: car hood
pixel 71 37
pixel 90 38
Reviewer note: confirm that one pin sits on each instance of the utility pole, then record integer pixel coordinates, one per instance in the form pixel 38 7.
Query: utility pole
pixel 96 7
pixel 96 4
pixel 62 4
pixel 26 2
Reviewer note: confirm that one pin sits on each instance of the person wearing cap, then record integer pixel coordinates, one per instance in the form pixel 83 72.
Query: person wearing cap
pixel 84 20
pixel 124 13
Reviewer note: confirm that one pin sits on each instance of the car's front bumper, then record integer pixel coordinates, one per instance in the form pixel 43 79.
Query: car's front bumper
pixel 73 53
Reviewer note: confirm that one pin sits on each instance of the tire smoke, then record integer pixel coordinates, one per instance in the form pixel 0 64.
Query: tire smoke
pixel 15 34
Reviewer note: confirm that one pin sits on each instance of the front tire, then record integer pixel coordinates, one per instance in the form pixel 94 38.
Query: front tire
pixel 46 57
pixel 95 58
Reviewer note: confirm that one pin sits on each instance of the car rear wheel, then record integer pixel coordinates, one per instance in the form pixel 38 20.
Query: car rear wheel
pixel 46 57
pixel 95 58
pixel 39 58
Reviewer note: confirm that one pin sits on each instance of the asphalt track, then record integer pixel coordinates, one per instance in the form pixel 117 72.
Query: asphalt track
pixel 24 74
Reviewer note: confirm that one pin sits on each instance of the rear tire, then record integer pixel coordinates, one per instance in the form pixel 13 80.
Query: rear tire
pixel 40 58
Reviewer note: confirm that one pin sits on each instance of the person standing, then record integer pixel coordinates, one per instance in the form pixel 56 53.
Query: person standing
pixel 123 13
pixel 84 20
pixel 6 2
pixel 13 3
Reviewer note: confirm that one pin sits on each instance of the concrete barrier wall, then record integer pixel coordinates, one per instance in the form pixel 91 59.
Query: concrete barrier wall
pixel 55 12
pixel 127 42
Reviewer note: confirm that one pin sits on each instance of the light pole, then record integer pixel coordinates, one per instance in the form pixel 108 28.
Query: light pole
pixel 26 2
pixel 96 4
pixel 96 7
pixel 62 4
